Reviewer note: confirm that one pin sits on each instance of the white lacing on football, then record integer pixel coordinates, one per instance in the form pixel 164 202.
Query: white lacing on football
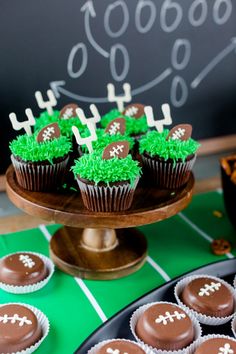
pixel 178 134
pixel 116 150
pixel 114 128
pixel 14 319
pixel 68 113
pixel 168 317
pixel 209 288
pixel 131 111
pixel 226 349
pixel 47 133
pixel 27 261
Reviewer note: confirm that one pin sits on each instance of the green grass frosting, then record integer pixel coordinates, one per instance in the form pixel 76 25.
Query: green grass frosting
pixel 64 124
pixel 133 126
pixel 155 144
pixel 93 168
pixel 28 149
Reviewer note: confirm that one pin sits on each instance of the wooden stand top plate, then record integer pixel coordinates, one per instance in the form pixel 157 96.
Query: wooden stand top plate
pixel 149 205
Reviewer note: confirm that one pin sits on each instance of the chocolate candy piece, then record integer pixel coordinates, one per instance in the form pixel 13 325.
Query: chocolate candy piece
pixel 120 347
pixel 19 328
pixel 116 126
pixel 220 247
pixel 50 132
pixel 217 346
pixel 180 132
pixel 135 110
pixel 22 269
pixel 118 149
pixel 165 326
pixel 68 111
pixel 209 297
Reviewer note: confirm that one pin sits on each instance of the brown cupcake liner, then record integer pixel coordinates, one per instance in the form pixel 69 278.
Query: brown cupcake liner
pixel 187 350
pixel 107 198
pixel 39 177
pixel 165 174
pixel 202 318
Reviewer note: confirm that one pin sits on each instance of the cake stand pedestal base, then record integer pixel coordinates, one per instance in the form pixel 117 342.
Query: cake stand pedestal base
pixel 98 253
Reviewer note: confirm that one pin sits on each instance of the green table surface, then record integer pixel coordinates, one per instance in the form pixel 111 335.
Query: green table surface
pixel 77 307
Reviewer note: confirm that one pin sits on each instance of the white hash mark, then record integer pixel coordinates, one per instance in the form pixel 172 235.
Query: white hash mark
pixel 27 261
pixel 226 349
pixel 15 318
pixel 208 288
pixel 47 133
pixel 178 134
pixel 131 111
pixel 168 316
pixel 116 151
pixel 115 127
pixel 114 351
pixel 68 113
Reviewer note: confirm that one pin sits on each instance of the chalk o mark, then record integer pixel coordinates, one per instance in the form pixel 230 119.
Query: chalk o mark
pixel 115 50
pixel 142 4
pixel 196 22
pixel 178 88
pixel 170 5
pixel 111 8
pixel 186 45
pixel 78 48
pixel 222 19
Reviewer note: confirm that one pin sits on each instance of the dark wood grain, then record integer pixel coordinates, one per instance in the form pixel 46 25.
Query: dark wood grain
pixel 149 205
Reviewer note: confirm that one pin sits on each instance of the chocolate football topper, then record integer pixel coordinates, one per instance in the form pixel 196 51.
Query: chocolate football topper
pixel 20 269
pixel 118 149
pixel 180 132
pixel 135 110
pixel 219 345
pixel 209 297
pixel 120 347
pixel 49 132
pixel 165 326
pixel 68 111
pixel 117 125
pixel 19 328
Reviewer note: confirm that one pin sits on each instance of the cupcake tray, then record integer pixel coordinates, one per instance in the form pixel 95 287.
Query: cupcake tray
pixel 118 325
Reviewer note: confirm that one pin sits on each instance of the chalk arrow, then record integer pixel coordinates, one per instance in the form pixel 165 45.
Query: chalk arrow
pixel 88 10
pixel 55 87
pixel 231 47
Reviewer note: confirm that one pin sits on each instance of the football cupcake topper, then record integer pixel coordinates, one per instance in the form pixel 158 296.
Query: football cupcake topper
pixel 117 125
pixel 135 110
pixel 158 124
pixel 26 125
pixel 118 149
pixel 180 132
pixel 91 125
pixel 46 104
pixel 68 111
pixel 119 99
pixel 50 132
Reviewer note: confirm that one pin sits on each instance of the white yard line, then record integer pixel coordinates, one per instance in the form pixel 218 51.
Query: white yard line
pixel 80 282
pixel 164 275
pixel 200 232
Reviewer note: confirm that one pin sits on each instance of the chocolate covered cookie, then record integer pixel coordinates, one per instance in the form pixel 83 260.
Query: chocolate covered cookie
pixel 209 297
pixel 220 345
pixel 120 346
pixel 22 269
pixel 19 328
pixel 165 326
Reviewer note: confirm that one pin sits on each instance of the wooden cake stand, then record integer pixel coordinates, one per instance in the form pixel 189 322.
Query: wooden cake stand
pixel 98 245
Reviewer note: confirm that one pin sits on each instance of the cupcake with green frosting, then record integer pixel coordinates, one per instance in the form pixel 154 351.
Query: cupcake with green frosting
pixel 166 161
pixel 106 185
pixel 40 166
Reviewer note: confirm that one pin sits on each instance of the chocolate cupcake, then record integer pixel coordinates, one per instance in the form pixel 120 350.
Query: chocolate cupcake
pixel 210 299
pixel 107 180
pixel 117 346
pixel 165 326
pixel 22 327
pixel 216 344
pixel 40 164
pixel 25 272
pixel 167 162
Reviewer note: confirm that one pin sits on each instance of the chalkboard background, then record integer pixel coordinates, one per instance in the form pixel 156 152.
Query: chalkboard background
pixel 181 51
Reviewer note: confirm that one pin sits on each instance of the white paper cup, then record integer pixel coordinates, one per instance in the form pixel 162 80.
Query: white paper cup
pixel 187 350
pixel 208 320
pixel 210 336
pixel 95 349
pixel 43 321
pixel 25 289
